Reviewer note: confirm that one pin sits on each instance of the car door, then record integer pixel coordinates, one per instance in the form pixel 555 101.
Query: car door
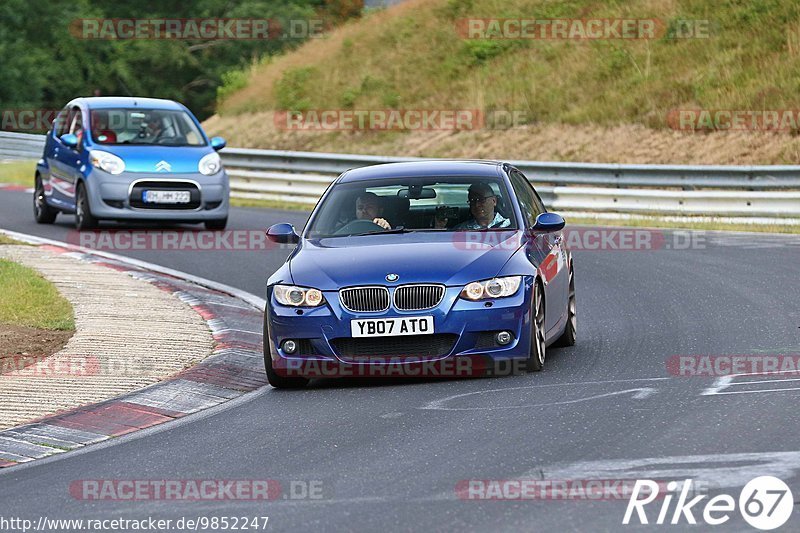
pixel 543 250
pixel 66 162
pixel 51 147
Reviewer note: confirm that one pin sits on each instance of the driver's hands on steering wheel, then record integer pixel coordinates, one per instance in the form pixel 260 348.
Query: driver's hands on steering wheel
pixel 382 223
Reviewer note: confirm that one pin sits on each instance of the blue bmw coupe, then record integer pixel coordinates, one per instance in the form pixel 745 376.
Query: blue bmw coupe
pixel 124 158
pixel 416 266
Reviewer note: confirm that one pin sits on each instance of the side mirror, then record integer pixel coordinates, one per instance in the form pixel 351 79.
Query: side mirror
pixel 549 222
pixel 218 143
pixel 70 140
pixel 283 234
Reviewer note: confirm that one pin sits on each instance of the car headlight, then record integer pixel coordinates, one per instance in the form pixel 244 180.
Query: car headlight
pixel 106 161
pixel 210 164
pixel 493 288
pixel 298 296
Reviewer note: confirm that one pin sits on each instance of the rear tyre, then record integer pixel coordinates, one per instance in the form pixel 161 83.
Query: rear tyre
pixel 216 225
pixel 83 212
pixel 536 354
pixel 42 212
pixel 571 329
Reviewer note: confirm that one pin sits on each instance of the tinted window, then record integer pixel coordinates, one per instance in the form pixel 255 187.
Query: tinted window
pixel 61 124
pixel 76 125
pixel 528 200
pixel 419 204
pixel 145 126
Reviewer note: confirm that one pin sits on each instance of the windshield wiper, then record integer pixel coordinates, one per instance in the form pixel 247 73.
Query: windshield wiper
pixel 399 229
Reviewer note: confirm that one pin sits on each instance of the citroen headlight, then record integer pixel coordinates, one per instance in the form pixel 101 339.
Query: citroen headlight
pixel 210 164
pixel 298 296
pixel 493 288
pixel 106 161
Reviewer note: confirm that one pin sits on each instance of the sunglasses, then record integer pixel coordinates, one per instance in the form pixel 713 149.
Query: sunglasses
pixel 480 200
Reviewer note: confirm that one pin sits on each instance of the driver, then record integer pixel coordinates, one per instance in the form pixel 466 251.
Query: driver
pixel 152 129
pixel 483 207
pixel 370 207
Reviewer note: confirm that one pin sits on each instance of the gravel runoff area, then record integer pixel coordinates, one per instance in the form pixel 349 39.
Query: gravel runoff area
pixel 128 334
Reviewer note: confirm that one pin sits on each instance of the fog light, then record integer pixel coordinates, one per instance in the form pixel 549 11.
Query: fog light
pixel 289 346
pixel 502 338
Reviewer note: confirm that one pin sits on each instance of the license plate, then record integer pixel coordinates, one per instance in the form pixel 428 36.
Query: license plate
pixel 391 327
pixel 166 197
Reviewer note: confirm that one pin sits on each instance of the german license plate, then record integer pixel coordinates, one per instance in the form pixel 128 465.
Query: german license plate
pixel 166 197
pixel 391 327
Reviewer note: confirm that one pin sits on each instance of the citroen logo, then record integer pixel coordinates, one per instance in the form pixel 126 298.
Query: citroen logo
pixel 163 166
pixel 392 277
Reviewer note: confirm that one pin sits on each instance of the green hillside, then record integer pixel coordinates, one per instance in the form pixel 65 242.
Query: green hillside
pixel 413 57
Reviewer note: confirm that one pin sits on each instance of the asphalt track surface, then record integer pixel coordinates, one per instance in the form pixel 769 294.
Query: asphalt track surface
pixel 390 453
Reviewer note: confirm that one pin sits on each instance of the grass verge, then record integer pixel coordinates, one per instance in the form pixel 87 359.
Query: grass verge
pixel 689 224
pixel 27 299
pixel 18 172
pixel 8 240
pixel 583 221
pixel 269 204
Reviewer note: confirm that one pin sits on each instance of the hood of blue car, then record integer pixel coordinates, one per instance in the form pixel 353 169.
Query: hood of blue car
pixel 449 258
pixel 158 159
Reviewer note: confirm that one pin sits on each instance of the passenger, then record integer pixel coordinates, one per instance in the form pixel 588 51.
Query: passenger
pixel 103 134
pixel 482 205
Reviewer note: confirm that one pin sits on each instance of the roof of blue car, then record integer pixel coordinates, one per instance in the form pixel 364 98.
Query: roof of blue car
pixel 104 102
pixel 488 169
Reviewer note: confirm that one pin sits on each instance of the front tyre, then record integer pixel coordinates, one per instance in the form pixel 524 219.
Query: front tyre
pixel 216 225
pixel 275 379
pixel 83 212
pixel 281 382
pixel 571 329
pixel 42 212
pixel 536 352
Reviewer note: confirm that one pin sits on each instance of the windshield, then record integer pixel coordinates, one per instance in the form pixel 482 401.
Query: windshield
pixel 413 204
pixel 145 126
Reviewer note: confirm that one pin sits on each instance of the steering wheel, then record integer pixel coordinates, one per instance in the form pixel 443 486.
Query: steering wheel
pixel 358 226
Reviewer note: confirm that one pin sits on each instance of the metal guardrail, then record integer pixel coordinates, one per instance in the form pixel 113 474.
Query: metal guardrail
pixel 20 145
pixel 730 191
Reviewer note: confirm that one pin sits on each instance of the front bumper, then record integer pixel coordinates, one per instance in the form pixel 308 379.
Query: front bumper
pixel 111 196
pixel 322 332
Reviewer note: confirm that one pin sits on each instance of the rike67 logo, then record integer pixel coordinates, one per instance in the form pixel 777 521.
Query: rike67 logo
pixel 765 503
